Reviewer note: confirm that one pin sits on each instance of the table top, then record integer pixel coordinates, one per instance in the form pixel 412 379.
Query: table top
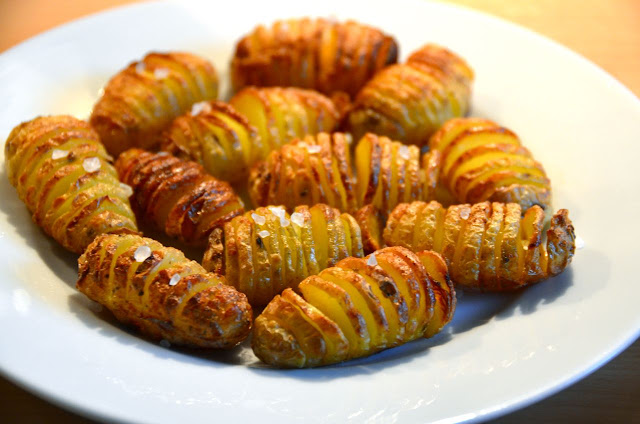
pixel 606 32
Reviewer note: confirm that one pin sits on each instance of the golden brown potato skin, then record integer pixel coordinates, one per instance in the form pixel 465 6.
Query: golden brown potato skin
pixel 281 114
pixel 218 137
pixel 45 160
pixel 487 246
pixel 357 308
pixel 178 196
pixel 141 100
pixel 312 53
pixel 198 310
pixel 481 160
pixel 408 102
pixel 267 250
pixel 315 169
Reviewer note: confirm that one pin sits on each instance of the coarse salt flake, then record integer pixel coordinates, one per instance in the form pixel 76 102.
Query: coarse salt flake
pixel 464 213
pixel 297 218
pixel 258 219
pixel 91 164
pixel 284 222
pixel 579 242
pixel 277 211
pixel 128 191
pixel 140 67
pixel 404 153
pixel 314 148
pixel 59 154
pixel 263 233
pixel 165 343
pixel 142 253
pixel 200 107
pixel 175 279
pixel 160 73
pixel 372 261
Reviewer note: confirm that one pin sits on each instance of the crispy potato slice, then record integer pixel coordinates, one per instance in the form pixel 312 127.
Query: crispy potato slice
pixel 444 292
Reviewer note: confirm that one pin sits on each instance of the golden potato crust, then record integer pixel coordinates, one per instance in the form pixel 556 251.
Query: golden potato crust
pixel 267 250
pixel 141 100
pixel 357 308
pixel 408 102
pixel 482 161
pixel 321 54
pixel 281 114
pixel 315 169
pixel 487 246
pixel 178 196
pixel 65 177
pixel 163 294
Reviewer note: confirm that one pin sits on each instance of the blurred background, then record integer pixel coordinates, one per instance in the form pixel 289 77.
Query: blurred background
pixel 607 32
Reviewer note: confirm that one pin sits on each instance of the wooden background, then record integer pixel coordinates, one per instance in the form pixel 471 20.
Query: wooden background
pixel 605 31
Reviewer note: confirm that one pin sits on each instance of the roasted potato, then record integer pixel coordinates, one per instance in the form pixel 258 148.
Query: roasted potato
pixel 267 250
pixel 357 308
pixel 177 196
pixel 282 114
pixel 143 99
pixel 388 173
pixel 487 246
pixel 409 102
pixel 315 169
pixel 483 161
pixel 163 294
pixel 65 177
pixel 321 54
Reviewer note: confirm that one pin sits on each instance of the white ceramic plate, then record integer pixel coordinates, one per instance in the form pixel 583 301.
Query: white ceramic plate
pixel 501 352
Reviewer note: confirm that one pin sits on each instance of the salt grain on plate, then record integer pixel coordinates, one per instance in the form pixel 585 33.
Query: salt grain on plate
pixel 404 153
pixel 200 107
pixel 91 164
pixel 59 154
pixel 372 261
pixel 142 253
pixel 140 67
pixel 258 219
pixel 579 243
pixel 263 233
pixel 314 148
pixel 174 280
pixel 128 191
pixel 160 73
pixel 165 343
pixel 464 214
pixel 297 218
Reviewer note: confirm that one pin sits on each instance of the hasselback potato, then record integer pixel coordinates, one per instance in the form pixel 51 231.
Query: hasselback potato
pixel 408 102
pixel 64 175
pixel 163 294
pixel 321 54
pixel 281 114
pixel 143 99
pixel 482 161
pixel 487 246
pixel 177 196
pixel 357 308
pixel 315 169
pixel 267 250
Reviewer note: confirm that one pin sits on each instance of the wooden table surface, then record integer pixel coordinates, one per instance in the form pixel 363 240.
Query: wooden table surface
pixel 605 31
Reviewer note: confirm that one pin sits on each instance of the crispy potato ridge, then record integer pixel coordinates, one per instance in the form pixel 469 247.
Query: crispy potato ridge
pixel 482 161
pixel 389 172
pixel 408 102
pixel 315 169
pixel 355 309
pixel 321 54
pixel 487 246
pixel 177 196
pixel 164 295
pixel 217 137
pixel 281 114
pixel 267 250
pixel 141 100
pixel 50 161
